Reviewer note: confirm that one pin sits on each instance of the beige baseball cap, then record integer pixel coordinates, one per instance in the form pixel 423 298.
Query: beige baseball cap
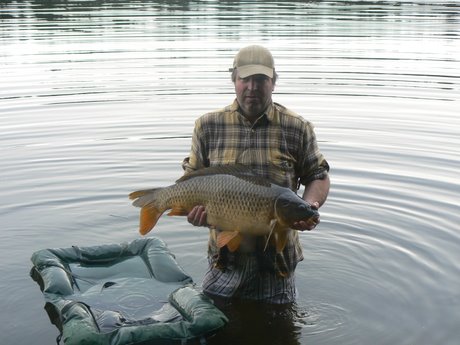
pixel 252 60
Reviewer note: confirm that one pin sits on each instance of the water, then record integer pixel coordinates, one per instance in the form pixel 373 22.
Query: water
pixel 98 98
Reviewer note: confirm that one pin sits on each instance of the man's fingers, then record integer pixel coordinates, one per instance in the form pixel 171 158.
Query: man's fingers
pixel 197 216
pixel 308 224
pixel 203 217
pixel 191 215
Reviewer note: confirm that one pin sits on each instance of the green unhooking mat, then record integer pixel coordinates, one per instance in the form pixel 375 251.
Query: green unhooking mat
pixel 130 293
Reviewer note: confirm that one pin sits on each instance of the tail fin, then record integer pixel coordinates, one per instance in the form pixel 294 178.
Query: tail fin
pixel 149 213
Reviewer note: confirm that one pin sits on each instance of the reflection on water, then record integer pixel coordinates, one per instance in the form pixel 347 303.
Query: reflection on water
pixel 256 323
pixel 98 98
pixel 235 19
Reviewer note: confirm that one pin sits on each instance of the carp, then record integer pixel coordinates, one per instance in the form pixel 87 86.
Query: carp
pixel 237 203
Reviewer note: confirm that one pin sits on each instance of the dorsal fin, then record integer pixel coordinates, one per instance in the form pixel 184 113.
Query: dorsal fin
pixel 238 170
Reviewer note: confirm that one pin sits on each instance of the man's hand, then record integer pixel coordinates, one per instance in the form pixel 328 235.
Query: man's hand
pixel 197 216
pixel 307 224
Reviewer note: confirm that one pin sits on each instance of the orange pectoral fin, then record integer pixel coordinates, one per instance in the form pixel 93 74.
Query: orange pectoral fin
pixel 149 217
pixel 231 239
pixel 281 240
pixel 278 236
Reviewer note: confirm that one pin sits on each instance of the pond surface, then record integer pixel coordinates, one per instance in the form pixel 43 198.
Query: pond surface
pixel 99 98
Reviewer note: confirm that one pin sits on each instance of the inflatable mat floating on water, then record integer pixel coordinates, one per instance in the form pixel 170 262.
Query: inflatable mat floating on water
pixel 130 293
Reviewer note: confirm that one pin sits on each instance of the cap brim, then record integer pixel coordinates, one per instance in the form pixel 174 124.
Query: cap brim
pixel 248 70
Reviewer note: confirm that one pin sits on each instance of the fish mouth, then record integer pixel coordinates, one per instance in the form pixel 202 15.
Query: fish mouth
pixel 306 211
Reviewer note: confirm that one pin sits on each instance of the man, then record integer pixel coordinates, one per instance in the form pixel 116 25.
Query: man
pixel 277 144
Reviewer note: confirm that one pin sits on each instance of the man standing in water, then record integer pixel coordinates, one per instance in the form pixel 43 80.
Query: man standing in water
pixel 277 144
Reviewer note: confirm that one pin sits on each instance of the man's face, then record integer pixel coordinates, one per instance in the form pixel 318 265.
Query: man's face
pixel 254 94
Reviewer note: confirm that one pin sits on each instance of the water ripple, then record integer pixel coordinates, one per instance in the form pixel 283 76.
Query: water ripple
pixel 98 98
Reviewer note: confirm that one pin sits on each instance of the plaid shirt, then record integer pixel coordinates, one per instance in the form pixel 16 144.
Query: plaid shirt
pixel 280 146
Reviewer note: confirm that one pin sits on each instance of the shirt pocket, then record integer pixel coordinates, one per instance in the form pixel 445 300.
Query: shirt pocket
pixel 283 170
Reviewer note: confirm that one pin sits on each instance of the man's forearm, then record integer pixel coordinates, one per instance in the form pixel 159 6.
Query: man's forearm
pixel 317 191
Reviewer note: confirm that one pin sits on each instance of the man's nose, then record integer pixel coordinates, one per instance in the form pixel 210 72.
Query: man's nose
pixel 253 84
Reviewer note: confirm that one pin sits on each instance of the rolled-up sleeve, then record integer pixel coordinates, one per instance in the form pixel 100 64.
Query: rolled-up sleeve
pixel 312 164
